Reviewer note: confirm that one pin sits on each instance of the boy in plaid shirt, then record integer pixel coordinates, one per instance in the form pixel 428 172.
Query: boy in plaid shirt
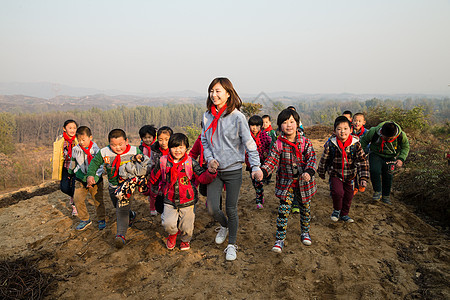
pixel 344 158
pixel 294 156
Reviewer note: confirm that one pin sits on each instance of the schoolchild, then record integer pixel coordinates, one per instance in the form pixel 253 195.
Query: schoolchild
pixel 62 154
pixel 294 157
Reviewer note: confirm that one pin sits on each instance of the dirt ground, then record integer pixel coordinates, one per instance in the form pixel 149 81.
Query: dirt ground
pixel 388 253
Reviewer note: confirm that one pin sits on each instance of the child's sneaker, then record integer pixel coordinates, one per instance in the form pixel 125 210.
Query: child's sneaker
pixel 230 251
pixel 101 224
pixel 386 199
pixel 74 211
pixel 83 225
pixel 185 246
pixel 335 215
pixel 376 196
pixel 153 213
pixel 278 247
pixel 259 206
pixel 119 241
pixel 355 191
pixel 222 233
pixel 306 239
pixel 347 219
pixel 171 241
pixel 132 218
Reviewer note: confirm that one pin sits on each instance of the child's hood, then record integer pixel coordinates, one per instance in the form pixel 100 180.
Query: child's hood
pixel 333 139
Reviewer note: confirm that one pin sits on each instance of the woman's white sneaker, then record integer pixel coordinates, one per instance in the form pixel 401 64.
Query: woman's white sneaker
pixel 222 233
pixel 230 251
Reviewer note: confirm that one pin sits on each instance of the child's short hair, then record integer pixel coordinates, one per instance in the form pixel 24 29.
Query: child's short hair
pixel 286 114
pixel 267 117
pixel 166 130
pixel 340 120
pixel 178 139
pixel 83 130
pixel 389 129
pixel 116 133
pixel 255 120
pixel 292 108
pixel 359 114
pixel 147 129
pixel 67 122
pixel 347 112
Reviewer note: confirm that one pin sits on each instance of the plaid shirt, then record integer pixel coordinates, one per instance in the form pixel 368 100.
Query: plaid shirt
pixel 285 159
pixel 356 164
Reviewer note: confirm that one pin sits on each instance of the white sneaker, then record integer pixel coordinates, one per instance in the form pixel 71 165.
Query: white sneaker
pixel 222 233
pixel 230 251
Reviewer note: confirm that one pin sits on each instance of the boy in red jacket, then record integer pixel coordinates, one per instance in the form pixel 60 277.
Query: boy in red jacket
pixel 178 172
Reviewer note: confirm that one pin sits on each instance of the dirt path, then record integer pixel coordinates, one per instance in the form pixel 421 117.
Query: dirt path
pixel 388 253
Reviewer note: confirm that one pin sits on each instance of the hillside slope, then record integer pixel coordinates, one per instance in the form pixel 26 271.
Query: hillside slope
pixel 388 253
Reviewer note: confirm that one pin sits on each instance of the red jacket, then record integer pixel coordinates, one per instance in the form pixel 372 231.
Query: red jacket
pixel 183 192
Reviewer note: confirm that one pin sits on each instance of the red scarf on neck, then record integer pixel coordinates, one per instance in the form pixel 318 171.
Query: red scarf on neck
pixel 164 152
pixel 342 146
pixel 149 149
pixel 268 128
pixel 383 142
pixel 214 122
pixel 361 132
pixel 174 171
pixel 88 151
pixel 298 153
pixel 116 163
pixel 257 139
pixel 69 141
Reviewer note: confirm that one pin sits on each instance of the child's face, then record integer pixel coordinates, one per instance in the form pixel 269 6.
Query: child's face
pixel 255 129
pixel 148 139
pixel 178 152
pixel 342 131
pixel 289 127
pixel 118 145
pixel 70 129
pixel 219 96
pixel 266 123
pixel 359 122
pixel 348 117
pixel 163 140
pixel 84 140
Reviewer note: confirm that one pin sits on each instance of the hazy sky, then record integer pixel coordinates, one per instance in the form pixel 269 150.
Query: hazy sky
pixel 381 46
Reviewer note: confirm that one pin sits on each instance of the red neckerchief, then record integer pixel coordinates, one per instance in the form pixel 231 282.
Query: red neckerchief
pixel 298 154
pixel 257 139
pixel 383 141
pixel 164 151
pixel 361 132
pixel 116 162
pixel 347 143
pixel 69 141
pixel 88 151
pixel 149 149
pixel 214 122
pixel 175 168
pixel 268 128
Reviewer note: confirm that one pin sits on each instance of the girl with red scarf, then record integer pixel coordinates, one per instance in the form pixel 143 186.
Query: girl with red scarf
pixel 263 142
pixel 293 156
pixel 344 158
pixel 62 154
pixel 178 173
pixel 159 148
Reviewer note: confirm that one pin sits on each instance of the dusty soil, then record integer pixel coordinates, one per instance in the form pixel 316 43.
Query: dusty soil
pixel 388 253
